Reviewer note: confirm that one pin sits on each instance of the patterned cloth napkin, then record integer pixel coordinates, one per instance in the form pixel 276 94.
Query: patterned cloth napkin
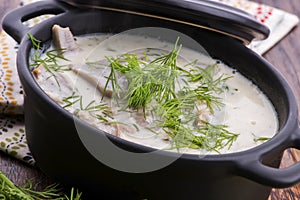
pixel 12 130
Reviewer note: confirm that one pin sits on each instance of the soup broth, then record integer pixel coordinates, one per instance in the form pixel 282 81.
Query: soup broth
pixel 156 93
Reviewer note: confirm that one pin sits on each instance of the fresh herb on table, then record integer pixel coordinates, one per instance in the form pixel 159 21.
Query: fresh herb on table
pixel 10 191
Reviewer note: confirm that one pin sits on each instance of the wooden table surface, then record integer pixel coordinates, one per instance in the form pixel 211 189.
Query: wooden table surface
pixel 285 56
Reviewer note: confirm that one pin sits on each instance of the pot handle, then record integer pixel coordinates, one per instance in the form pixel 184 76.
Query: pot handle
pixel 253 168
pixel 13 21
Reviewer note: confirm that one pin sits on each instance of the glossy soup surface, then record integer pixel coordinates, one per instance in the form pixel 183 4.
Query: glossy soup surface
pixel 242 118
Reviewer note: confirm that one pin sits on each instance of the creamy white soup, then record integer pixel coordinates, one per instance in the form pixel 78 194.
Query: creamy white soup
pixel 155 93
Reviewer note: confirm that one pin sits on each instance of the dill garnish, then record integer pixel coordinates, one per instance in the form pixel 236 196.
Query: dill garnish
pixel 49 61
pixel 100 111
pixel 147 80
pixel 152 87
pixel 71 100
pixel 183 125
pixel 157 85
pixel 261 139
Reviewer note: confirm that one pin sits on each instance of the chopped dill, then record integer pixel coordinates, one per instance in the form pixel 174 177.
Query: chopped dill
pixel 216 136
pixel 105 112
pixel 50 61
pixel 261 139
pixel 71 100
pixel 151 87
pixel 147 80
pixel 257 139
pixel 34 41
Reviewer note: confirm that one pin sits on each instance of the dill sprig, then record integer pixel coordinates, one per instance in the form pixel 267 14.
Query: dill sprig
pixel 71 100
pixel 10 191
pixel 100 111
pixel 208 84
pixel 182 124
pixel 151 86
pixel 147 80
pixel 49 61
pixel 117 67
pixel 216 137
pixel 261 139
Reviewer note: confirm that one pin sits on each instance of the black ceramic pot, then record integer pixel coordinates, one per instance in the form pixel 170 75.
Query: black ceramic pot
pixel 52 132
